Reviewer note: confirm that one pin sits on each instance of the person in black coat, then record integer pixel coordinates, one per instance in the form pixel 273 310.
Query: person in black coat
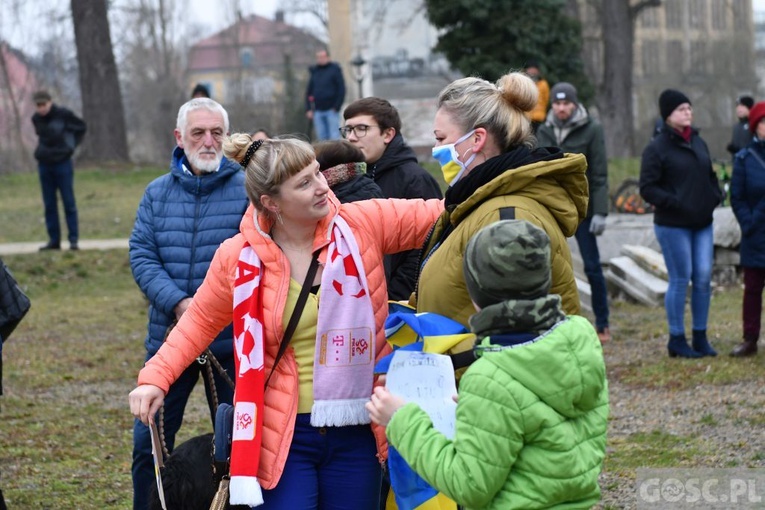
pixel 59 132
pixel 373 125
pixel 741 135
pixel 748 200
pixel 677 177
pixel 345 170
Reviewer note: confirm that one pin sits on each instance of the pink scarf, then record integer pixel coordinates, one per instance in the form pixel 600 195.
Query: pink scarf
pixel 343 363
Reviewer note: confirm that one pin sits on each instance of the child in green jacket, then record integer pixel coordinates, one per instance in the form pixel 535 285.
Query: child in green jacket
pixel 533 409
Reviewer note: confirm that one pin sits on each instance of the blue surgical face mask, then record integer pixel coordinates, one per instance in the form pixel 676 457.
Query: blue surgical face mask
pixel 448 158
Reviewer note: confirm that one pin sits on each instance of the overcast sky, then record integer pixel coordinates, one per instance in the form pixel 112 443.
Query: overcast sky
pixel 25 23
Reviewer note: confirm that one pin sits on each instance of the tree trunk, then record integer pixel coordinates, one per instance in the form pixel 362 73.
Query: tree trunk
pixel 101 97
pixel 617 22
pixel 616 103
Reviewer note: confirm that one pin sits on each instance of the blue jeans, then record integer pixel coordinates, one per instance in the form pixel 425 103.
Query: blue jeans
pixel 328 468
pixel 588 248
pixel 175 405
pixel 58 177
pixel 327 124
pixel 689 255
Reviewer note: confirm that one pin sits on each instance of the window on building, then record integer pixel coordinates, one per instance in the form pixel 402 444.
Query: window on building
pixel 246 57
pixel 251 90
pixel 698 14
pixel 719 15
pixel 675 56
pixel 674 14
pixel 649 18
pixel 698 57
pixel 649 53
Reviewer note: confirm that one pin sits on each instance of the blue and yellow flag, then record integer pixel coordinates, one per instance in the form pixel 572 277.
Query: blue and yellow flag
pixel 427 332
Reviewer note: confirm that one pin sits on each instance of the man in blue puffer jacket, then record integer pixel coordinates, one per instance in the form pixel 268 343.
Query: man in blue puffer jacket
pixel 182 219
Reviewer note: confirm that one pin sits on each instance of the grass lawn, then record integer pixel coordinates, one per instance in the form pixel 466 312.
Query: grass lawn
pixel 107 200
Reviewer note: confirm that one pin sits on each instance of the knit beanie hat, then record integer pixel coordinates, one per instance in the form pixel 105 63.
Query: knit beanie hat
pixel 669 100
pixel 509 259
pixel 755 116
pixel 563 91
pixel 747 101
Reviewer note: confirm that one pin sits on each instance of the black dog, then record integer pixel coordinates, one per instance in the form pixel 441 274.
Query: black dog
pixel 187 478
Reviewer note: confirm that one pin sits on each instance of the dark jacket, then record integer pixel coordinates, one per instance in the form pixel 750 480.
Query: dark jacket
pixel 747 196
pixel 181 221
pixel 740 137
pixel 399 175
pixel 59 132
pixel 349 183
pixel 582 135
pixel 677 178
pixel 327 87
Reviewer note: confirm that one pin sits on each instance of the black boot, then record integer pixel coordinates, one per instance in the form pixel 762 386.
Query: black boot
pixel 50 246
pixel 678 347
pixel 701 343
pixel 747 348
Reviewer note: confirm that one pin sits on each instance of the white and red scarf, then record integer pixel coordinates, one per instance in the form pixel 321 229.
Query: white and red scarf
pixel 343 361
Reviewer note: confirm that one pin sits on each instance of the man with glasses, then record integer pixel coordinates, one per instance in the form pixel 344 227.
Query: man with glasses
pixel 373 125
pixel 59 132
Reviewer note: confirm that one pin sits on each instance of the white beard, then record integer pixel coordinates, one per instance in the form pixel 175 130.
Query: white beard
pixel 205 166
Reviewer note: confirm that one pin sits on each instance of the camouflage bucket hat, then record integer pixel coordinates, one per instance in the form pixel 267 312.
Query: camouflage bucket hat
pixel 509 259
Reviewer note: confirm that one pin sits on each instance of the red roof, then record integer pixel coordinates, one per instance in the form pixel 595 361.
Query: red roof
pixel 268 40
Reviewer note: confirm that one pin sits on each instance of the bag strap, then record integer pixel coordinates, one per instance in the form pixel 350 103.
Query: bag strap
pixel 296 313
pixel 757 157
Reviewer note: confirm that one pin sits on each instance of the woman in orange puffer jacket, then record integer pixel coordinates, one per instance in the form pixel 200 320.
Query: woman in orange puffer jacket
pixel 301 438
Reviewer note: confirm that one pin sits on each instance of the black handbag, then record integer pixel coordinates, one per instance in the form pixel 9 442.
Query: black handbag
pixel 14 304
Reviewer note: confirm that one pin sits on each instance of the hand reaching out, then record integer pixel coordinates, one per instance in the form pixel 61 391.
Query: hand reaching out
pixel 382 405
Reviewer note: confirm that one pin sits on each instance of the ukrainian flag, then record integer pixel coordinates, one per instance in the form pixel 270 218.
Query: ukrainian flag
pixel 425 332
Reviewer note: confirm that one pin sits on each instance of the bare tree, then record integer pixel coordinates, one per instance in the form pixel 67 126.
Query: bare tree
pixel 615 98
pixel 151 65
pixel 101 97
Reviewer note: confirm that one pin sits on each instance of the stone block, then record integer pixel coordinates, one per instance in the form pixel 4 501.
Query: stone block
pixel 648 259
pixel 585 294
pixel 726 257
pixel 636 281
pixel 727 232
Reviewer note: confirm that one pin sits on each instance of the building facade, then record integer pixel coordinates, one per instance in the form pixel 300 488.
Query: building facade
pixel 702 47
pixel 258 69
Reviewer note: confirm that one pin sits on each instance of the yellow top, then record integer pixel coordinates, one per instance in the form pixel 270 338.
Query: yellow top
pixel 303 342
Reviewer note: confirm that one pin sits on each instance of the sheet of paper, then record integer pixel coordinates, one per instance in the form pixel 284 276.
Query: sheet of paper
pixel 156 452
pixel 428 380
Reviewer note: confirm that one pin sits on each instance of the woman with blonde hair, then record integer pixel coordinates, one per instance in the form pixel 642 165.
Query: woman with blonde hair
pixel 304 280
pixel 489 158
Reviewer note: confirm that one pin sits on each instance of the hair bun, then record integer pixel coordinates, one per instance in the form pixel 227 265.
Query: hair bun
pixel 519 91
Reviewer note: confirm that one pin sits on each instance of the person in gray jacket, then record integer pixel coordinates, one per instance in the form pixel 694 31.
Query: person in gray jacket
pixel 571 128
